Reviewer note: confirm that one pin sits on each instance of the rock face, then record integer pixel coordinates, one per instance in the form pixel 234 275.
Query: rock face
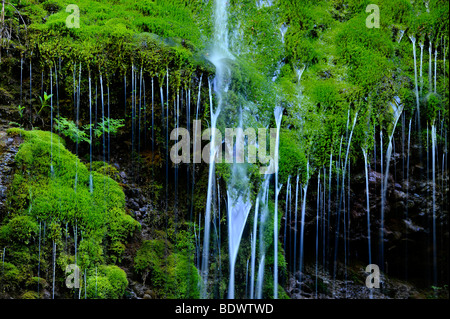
pixel 351 285
pixel 408 224
pixel 8 150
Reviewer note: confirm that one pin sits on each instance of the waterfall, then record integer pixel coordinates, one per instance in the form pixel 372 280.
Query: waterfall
pixel 261 194
pixel 56 84
pixel 317 227
pixel 212 154
pixel 167 137
pixel 294 263
pixel 109 117
pixel 286 219
pixel 430 67
pixel 195 155
pixel 39 255
pixel 54 269
pixel 435 69
pixel 382 201
pixel 367 204
pixel 219 54
pixel 323 216
pixel 77 105
pixel 21 69
pixel 342 188
pixel 51 123
pixel 397 111
pixel 31 67
pixel 153 127
pixel 413 40
pixel 407 192
pixel 263 218
pixel 433 165
pixel 125 92
pixel 278 112
pixel 133 102
pixel 260 278
pixel 246 280
pixel 283 30
pixel 302 227
pixel 91 183
pixel 368 210
pixel 239 206
pixel 103 116
pixel 329 204
pixel 421 60
pixel 140 109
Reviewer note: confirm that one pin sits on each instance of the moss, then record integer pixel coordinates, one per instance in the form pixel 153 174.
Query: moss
pixel 172 275
pixel 19 229
pixel 150 261
pixel 110 282
pixel 34 282
pixel 46 204
pixel 30 295
pixel 292 159
pixel 10 276
pixel 105 169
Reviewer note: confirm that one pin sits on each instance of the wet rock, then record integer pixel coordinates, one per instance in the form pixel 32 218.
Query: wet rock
pixel 130 294
pixel 374 176
pixel 409 224
pixel 131 203
pixel 399 195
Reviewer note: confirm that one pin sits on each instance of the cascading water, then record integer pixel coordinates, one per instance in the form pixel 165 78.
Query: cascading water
pixel 218 58
pixel 91 183
pixel 421 67
pixel 344 169
pixel 302 223
pixel 430 66
pixel 435 69
pixel 77 112
pixel 31 79
pixel 413 40
pixel 294 263
pixel 261 195
pixel 407 194
pixel 433 165
pixel 212 154
pixel 286 220
pixel 21 71
pixel 262 249
pixel 397 109
pixel 239 206
pixel 283 30
pixel 317 228
pixel 278 112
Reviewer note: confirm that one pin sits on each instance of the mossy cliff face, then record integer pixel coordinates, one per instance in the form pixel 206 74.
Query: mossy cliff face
pixel 325 67
pixel 56 207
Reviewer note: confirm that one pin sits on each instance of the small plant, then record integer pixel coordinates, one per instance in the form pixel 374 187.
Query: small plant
pixel 69 129
pixel 44 102
pixel 108 125
pixel 14 124
pixel 21 108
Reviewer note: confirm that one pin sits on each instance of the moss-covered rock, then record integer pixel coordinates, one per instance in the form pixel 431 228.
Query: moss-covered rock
pixel 50 198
